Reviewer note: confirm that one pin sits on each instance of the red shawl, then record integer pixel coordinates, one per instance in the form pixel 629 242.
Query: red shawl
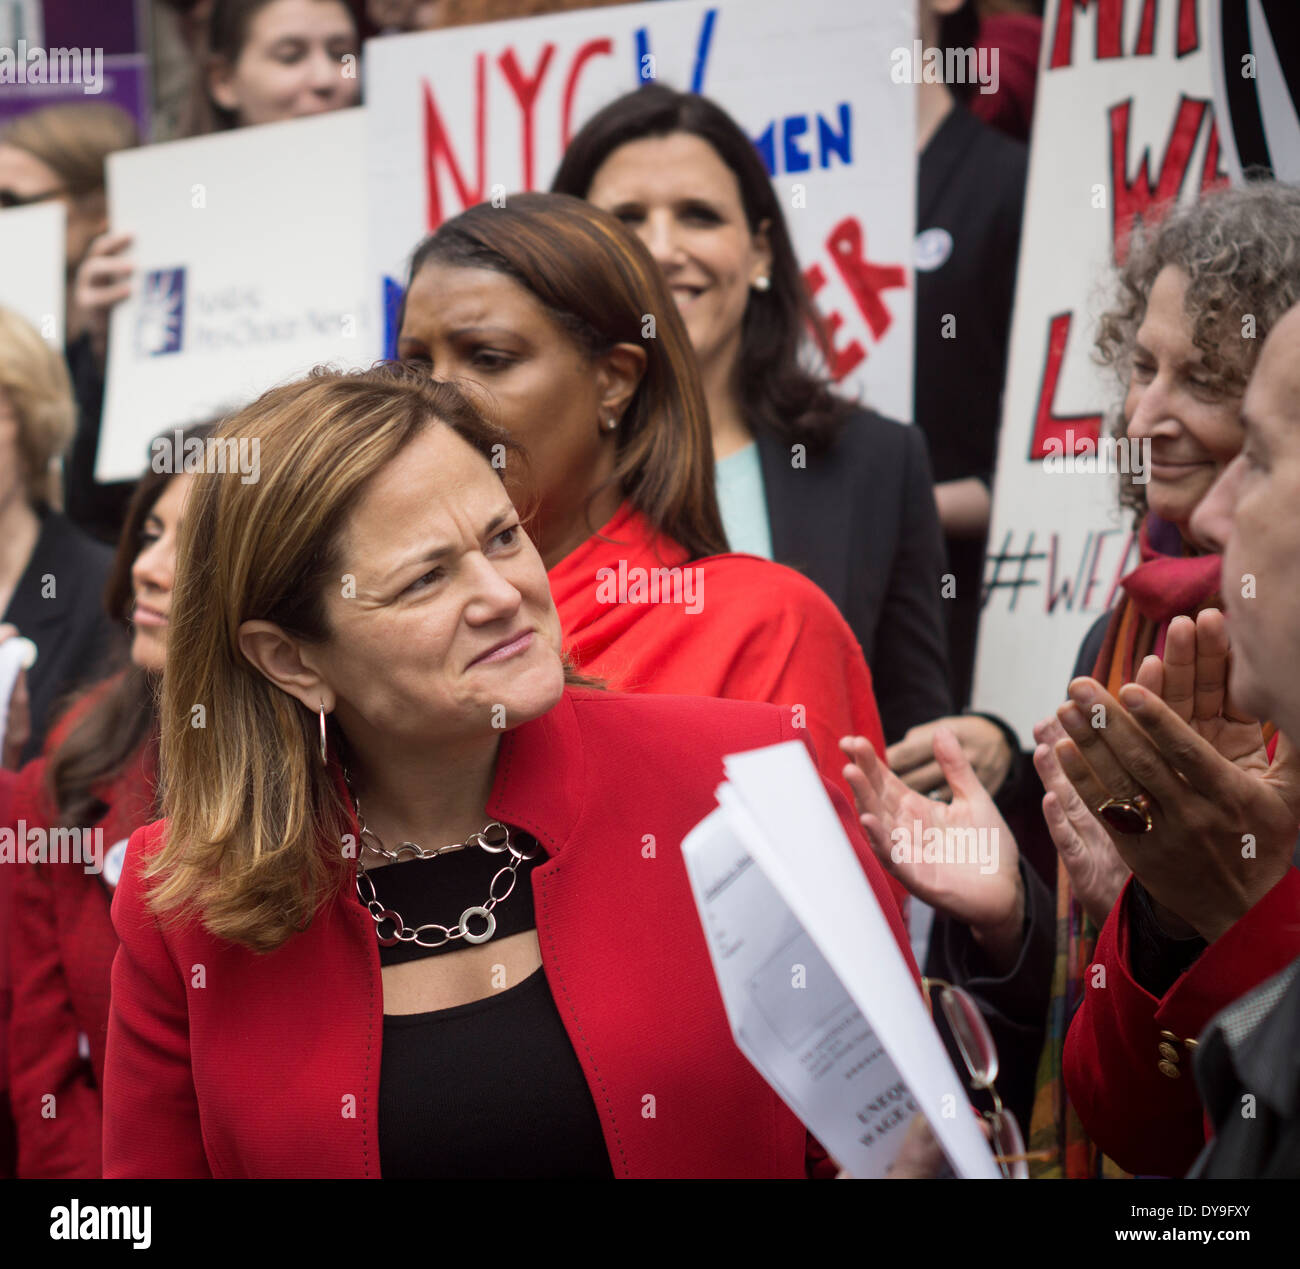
pixel 733 626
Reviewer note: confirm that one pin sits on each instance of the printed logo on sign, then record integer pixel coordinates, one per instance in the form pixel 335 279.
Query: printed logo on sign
pixel 161 323
pixel 932 249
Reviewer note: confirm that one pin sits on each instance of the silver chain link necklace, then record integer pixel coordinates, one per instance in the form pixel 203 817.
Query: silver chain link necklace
pixel 494 838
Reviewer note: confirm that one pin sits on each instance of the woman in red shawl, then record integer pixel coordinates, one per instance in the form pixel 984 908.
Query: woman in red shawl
pixel 559 313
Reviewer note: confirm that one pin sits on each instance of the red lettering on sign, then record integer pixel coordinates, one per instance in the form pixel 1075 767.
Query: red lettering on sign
pixel 1189 34
pixel 865 281
pixel 1048 425
pixel 1130 199
pixel 590 49
pixel 437 146
pixel 1109 28
pixel 525 89
pixel 842 361
pixel 1211 177
pixel 1146 30
pixel 1110 24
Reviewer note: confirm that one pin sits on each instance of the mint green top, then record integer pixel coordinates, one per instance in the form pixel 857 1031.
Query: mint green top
pixel 741 499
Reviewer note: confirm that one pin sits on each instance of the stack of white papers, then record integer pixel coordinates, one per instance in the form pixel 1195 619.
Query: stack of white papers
pixel 818 994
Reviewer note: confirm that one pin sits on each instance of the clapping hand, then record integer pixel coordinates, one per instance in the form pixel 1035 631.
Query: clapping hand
pixel 1174 747
pixel 986 893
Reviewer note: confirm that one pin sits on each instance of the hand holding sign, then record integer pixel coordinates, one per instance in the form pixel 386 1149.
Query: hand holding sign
pixel 103 279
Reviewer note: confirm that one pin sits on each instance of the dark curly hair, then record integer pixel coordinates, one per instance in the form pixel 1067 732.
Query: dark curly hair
pixel 1240 251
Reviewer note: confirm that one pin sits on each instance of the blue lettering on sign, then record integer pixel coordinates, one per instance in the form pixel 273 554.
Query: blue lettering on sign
pixel 831 142
pixel 796 160
pixel 644 62
pixel 394 293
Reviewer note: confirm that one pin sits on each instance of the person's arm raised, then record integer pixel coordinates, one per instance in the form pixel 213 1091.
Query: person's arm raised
pixel 983 888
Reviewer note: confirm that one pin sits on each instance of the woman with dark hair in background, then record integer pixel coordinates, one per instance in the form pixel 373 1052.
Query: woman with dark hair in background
pixel 99 775
pixel 544 303
pixel 271 60
pixel 804 477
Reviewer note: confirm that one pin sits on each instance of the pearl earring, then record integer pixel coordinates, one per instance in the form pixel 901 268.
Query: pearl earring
pixel 610 423
pixel 762 284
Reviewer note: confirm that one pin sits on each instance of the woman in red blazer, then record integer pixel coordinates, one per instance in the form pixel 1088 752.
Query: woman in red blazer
pixel 99 771
pixel 281 1003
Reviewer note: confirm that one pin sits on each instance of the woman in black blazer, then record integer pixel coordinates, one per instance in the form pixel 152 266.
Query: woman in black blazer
pixel 52 576
pixel 804 477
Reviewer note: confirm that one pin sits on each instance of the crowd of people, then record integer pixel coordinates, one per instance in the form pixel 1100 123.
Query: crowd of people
pixel 277 701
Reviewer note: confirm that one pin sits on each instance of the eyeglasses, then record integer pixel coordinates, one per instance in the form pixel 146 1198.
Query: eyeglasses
pixel 10 199
pixel 975 1043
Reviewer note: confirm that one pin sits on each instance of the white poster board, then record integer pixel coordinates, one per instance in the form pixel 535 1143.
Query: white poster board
pixel 32 266
pixel 249 271
pixel 456 116
pixel 1124 118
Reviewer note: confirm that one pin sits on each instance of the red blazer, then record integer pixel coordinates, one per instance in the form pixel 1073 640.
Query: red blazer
pixel 762 632
pixel 268 1066
pixel 1136 1099
pixel 61 946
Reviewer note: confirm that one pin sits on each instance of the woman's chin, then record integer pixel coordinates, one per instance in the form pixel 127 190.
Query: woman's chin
pixel 148 651
pixel 1171 503
pixel 534 693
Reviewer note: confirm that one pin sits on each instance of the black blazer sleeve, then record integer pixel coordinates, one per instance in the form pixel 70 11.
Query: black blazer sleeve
pixel 910 671
pixel 859 519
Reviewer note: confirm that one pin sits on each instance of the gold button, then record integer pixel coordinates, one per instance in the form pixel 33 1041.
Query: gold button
pixel 1169 1069
pixel 1167 1051
pixel 1168 1035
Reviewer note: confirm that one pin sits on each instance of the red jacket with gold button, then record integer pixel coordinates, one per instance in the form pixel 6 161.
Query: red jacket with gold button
pixel 271 1067
pixel 1127 1063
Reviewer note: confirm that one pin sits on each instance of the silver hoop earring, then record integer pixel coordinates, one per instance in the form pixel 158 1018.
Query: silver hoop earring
pixel 324 750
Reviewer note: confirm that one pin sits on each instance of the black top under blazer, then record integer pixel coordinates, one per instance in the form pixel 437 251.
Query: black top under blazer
pixel 860 520
pixel 58 604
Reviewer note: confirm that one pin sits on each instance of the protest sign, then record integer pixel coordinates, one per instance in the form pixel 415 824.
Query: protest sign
pixel 249 271
pixel 1124 121
pixel 473 114
pixel 32 246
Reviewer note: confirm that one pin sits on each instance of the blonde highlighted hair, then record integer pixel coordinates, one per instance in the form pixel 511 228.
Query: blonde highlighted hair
pixel 74 140
pixel 34 381
pixel 254 821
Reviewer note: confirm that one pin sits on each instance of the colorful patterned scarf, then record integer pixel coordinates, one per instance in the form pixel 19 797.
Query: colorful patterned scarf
pixel 1166 584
